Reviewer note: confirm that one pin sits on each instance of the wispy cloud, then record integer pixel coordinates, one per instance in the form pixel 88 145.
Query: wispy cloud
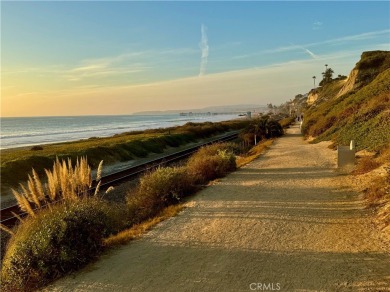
pixel 114 65
pixel 314 56
pixel 204 47
pixel 317 25
pixel 331 42
pixel 310 53
pixel 272 83
pixel 33 70
pixel 352 38
pixel 127 63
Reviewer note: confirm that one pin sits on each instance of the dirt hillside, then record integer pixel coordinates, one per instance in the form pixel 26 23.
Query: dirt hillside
pixel 286 221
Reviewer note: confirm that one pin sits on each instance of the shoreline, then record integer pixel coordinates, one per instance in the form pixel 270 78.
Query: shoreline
pixel 16 163
pixel 96 129
pixel 7 198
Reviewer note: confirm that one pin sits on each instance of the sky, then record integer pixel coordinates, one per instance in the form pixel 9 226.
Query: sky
pixel 61 58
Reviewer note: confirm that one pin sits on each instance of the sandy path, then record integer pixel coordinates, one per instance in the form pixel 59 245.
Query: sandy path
pixel 285 220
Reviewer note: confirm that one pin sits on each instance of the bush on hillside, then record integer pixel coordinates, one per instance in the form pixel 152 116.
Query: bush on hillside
pixel 57 241
pixel 362 116
pixel 365 165
pixel 379 193
pixel 286 122
pixel 168 185
pixel 121 147
pixel 65 182
pixel 211 162
pixel 158 189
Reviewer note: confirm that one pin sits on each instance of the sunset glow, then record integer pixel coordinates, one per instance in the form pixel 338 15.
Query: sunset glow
pixel 87 58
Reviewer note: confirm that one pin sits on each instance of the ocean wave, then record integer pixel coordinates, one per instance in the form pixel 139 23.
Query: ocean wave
pixel 23 132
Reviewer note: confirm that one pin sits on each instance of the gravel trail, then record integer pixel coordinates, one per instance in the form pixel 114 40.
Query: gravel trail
pixel 285 222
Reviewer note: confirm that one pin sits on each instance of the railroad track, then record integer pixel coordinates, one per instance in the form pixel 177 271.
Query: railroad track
pixel 9 219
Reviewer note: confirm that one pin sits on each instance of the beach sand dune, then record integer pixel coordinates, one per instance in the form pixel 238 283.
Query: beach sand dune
pixel 287 221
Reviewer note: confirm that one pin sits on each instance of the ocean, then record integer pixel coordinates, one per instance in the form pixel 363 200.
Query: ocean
pixel 20 132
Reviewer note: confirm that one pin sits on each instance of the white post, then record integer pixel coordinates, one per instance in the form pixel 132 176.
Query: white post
pixel 352 145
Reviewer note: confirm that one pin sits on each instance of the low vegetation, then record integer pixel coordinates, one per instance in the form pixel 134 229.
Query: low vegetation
pixel 286 122
pixel 68 226
pixel 254 152
pixel 362 114
pixel 75 228
pixel 158 189
pixel 64 227
pixel 57 241
pixel 136 230
pixel 365 165
pixel 211 162
pixel 263 128
pixel 378 193
pixel 64 183
pixel 15 163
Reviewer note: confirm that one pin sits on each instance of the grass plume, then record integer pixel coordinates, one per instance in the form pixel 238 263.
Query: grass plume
pixel 64 182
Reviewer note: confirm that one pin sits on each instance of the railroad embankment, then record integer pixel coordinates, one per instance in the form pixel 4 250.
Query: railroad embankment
pixel 16 163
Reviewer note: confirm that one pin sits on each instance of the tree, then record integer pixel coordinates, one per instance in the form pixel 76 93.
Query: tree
pixel 327 76
pixel 274 129
pixel 261 128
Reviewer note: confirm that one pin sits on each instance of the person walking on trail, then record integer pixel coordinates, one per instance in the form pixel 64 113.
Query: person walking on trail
pixel 300 124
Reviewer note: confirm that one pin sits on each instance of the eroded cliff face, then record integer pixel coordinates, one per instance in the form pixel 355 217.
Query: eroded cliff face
pixel 312 97
pixel 371 64
pixel 350 82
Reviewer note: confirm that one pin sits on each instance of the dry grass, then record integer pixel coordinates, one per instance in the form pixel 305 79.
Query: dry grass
pixel 378 193
pixel 65 182
pixel 57 241
pixel 365 165
pixel 254 153
pixel 211 162
pixel 138 230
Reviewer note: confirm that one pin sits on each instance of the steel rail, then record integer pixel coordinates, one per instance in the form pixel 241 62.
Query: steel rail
pixel 9 219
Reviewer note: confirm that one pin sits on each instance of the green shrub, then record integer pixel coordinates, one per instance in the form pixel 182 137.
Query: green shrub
pixel 15 163
pixel 211 162
pixel 166 185
pixel 158 189
pixel 362 115
pixel 57 241
pixel 286 122
pixel 273 129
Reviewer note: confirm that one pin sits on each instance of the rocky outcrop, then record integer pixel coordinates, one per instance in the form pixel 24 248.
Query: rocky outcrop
pixel 349 83
pixel 312 97
pixel 371 64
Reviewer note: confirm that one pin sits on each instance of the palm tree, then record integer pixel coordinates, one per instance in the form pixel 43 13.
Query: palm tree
pixel 314 78
pixel 327 76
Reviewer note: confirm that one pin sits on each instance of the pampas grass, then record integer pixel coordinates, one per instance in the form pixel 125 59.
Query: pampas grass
pixel 65 182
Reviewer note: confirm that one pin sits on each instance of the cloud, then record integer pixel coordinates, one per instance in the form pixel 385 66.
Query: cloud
pixel 310 53
pixel 261 85
pixel 314 56
pixel 204 47
pixel 317 25
pixel 127 63
pixel 350 38
pixel 114 65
